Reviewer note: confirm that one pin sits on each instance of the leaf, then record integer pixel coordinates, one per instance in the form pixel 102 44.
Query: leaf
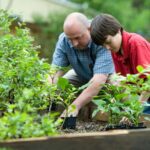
pixel 99 102
pixel 28 93
pixel 62 83
pixel 115 110
pixel 139 68
pixel 147 118
pixel 95 112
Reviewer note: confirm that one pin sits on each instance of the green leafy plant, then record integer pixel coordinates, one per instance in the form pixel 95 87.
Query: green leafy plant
pixel 123 100
pixel 22 73
pixel 66 93
pixel 118 103
pixel 24 125
pixel 24 89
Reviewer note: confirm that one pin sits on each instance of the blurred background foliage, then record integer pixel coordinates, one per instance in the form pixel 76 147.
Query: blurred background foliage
pixel 47 32
pixel 134 15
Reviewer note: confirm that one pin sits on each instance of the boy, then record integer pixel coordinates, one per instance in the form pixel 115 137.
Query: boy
pixel 128 49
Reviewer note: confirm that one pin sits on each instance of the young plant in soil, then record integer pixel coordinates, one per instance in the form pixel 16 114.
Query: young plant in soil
pixel 123 101
pixel 65 95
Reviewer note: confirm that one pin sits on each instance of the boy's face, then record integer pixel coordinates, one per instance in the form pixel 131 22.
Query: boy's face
pixel 113 43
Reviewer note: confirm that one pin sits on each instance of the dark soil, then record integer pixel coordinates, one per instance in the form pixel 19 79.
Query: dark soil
pixel 86 127
pixel 98 126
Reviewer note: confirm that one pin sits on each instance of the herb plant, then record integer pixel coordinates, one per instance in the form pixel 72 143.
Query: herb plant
pixel 24 89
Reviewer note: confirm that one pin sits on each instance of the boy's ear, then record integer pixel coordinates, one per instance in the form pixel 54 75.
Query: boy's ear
pixel 89 28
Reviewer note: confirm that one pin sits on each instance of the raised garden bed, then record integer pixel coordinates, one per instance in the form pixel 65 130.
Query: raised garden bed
pixel 87 135
pixel 120 139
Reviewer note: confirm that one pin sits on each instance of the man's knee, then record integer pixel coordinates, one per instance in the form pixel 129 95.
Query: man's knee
pixel 73 78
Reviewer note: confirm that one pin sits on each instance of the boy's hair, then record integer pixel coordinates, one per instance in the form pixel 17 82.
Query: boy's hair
pixel 102 26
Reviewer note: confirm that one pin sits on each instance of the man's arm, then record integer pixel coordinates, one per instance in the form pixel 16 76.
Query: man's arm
pixel 91 91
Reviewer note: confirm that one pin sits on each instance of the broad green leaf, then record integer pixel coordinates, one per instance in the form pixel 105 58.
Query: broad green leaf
pixel 62 83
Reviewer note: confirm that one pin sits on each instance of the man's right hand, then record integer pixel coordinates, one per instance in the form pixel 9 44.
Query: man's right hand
pixel 72 111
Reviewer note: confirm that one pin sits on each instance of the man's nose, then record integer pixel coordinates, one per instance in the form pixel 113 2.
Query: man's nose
pixel 108 47
pixel 74 42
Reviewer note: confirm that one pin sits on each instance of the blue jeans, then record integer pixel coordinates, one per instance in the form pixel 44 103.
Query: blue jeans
pixel 73 78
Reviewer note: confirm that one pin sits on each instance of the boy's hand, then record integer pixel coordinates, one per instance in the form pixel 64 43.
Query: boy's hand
pixel 125 120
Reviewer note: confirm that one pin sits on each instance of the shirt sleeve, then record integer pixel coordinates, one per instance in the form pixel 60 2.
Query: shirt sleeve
pixel 103 62
pixel 60 55
pixel 140 55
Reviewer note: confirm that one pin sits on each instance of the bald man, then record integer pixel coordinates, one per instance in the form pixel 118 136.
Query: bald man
pixel 89 62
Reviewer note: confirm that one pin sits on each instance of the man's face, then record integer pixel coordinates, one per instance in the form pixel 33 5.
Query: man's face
pixel 113 43
pixel 79 39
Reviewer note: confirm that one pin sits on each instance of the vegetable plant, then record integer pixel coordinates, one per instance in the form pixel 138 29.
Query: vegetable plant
pixel 112 100
pixel 123 100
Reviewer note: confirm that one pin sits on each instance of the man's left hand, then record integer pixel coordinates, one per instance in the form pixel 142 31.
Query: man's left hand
pixel 71 111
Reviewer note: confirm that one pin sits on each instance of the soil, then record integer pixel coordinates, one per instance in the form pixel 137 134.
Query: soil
pixel 86 127
pixel 98 126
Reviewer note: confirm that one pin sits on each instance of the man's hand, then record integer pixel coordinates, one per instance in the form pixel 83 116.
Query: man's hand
pixel 71 111
pixel 87 94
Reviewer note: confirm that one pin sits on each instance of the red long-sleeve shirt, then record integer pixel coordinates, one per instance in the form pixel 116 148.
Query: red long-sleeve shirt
pixel 136 51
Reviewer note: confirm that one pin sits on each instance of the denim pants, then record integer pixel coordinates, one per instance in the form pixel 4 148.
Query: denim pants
pixel 74 78
pixel 147 109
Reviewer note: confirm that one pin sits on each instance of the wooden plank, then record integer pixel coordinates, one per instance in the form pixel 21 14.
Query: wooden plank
pixel 114 140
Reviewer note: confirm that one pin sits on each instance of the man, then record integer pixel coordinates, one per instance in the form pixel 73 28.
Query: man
pixel 89 62
pixel 128 49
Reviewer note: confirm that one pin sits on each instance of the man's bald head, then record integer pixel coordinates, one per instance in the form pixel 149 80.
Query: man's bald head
pixel 76 22
pixel 76 28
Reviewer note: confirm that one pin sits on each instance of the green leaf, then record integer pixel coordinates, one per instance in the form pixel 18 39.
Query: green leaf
pixel 62 83
pixel 140 68
pixel 95 112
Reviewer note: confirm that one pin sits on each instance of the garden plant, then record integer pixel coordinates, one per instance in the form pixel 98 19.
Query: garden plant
pixel 26 96
pixel 123 100
pixel 24 89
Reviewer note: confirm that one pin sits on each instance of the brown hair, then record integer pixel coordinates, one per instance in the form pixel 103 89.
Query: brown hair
pixel 102 26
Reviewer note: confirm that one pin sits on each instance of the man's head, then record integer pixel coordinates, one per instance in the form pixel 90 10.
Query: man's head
pixel 76 27
pixel 106 31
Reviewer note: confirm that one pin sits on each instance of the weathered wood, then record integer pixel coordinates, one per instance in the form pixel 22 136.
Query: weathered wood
pixel 112 140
